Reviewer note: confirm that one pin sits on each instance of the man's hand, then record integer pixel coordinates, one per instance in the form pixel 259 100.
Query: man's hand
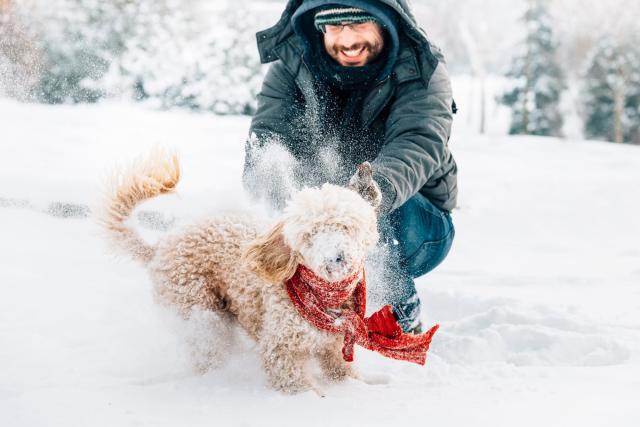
pixel 362 182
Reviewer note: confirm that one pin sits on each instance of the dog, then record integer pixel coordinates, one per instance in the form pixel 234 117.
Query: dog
pixel 234 266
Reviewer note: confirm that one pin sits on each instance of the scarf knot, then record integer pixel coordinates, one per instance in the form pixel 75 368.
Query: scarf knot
pixel 318 301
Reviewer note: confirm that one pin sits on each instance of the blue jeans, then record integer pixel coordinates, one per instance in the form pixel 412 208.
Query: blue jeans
pixel 419 236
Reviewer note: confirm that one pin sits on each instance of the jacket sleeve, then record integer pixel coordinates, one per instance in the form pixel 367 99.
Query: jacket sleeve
pixel 266 173
pixel 275 99
pixel 416 136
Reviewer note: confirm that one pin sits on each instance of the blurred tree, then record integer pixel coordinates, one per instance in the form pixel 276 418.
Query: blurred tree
pixel 581 23
pixel 186 53
pixel 179 54
pixel 228 75
pixel 19 57
pixel 611 100
pixel 538 79
pixel 78 39
pixel 155 45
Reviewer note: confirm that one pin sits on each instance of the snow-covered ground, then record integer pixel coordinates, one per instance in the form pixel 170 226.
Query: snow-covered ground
pixel 539 301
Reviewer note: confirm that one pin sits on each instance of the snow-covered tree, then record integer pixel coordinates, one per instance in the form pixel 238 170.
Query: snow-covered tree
pixel 78 40
pixel 228 76
pixel 152 64
pixel 611 100
pixel 168 53
pixel 538 80
pixel 175 57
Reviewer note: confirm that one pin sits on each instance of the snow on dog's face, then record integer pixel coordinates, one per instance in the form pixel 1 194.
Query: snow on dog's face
pixel 331 228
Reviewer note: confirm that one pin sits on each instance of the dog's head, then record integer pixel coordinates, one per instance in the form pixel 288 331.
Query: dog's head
pixel 328 229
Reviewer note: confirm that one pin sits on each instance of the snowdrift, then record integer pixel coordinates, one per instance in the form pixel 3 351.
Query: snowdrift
pixel 539 301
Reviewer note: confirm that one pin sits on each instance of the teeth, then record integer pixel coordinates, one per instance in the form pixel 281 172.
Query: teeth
pixel 352 53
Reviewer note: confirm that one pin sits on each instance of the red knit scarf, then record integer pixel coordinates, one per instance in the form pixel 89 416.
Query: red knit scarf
pixel 316 299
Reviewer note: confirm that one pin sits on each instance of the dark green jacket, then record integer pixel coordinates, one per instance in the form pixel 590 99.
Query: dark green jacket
pixel 406 116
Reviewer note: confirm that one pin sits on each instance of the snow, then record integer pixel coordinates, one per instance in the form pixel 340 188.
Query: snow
pixel 539 300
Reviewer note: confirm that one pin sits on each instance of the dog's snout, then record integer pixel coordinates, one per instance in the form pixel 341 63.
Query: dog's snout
pixel 334 253
pixel 337 258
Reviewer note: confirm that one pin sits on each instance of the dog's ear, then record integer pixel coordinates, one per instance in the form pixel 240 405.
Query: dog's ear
pixel 270 257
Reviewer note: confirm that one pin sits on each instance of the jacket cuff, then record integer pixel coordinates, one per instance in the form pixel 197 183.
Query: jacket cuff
pixel 388 191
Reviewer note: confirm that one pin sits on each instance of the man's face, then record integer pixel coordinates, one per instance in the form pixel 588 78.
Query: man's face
pixel 354 45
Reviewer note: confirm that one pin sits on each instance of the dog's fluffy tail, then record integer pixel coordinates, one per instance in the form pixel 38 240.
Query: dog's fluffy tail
pixel 148 177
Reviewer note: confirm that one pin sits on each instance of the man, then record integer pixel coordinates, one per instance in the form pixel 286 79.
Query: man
pixel 355 81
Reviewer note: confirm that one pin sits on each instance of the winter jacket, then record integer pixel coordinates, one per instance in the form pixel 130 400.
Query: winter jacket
pixel 406 117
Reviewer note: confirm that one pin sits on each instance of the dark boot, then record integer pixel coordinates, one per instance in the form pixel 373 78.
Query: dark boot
pixel 407 314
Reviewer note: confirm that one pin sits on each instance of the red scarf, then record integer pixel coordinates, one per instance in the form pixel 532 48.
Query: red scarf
pixel 314 298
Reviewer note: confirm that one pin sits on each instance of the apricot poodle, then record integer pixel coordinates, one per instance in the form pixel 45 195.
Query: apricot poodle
pixel 234 266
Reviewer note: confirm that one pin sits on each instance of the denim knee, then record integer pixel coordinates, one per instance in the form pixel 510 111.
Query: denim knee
pixel 424 235
pixel 429 255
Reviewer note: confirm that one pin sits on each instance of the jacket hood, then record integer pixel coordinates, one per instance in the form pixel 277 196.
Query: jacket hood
pixel 302 23
pixel 272 37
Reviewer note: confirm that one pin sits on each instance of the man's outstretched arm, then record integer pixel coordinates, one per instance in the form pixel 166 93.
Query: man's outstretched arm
pixel 416 135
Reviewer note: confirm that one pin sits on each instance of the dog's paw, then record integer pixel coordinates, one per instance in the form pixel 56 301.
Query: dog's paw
pixel 373 378
pixel 294 387
pixel 319 391
pixel 339 373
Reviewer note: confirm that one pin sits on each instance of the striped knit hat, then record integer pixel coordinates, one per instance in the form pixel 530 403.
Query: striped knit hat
pixel 333 15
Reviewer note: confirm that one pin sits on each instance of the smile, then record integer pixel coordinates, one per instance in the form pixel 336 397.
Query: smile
pixel 353 56
pixel 353 53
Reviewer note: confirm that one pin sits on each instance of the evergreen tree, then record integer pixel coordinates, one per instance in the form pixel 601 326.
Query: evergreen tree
pixel 78 40
pixel 228 75
pixel 174 57
pixel 156 47
pixel 538 79
pixel 168 53
pixel 611 100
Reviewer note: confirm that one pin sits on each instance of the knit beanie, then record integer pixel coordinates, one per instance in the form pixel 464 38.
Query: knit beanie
pixel 333 15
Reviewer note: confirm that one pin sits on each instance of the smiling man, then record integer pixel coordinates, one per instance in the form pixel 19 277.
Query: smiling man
pixel 355 81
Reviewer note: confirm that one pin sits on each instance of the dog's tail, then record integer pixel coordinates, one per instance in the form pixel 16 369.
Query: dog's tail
pixel 158 173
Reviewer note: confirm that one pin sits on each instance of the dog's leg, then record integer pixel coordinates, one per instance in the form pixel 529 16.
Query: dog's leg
pixel 210 338
pixel 285 364
pixel 333 365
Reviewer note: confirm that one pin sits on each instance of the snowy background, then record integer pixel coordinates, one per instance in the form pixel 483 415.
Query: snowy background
pixel 539 300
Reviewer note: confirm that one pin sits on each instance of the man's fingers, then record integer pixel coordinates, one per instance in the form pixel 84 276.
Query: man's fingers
pixel 362 182
pixel 365 172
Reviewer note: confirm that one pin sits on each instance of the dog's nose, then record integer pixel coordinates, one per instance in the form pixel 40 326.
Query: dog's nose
pixel 338 258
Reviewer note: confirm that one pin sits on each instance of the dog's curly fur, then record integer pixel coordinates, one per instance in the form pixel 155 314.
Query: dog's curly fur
pixel 228 265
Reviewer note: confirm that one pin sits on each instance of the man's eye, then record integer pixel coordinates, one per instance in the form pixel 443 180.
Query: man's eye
pixel 333 28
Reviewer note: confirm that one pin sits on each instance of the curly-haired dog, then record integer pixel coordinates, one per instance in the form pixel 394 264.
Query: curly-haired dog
pixel 228 264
